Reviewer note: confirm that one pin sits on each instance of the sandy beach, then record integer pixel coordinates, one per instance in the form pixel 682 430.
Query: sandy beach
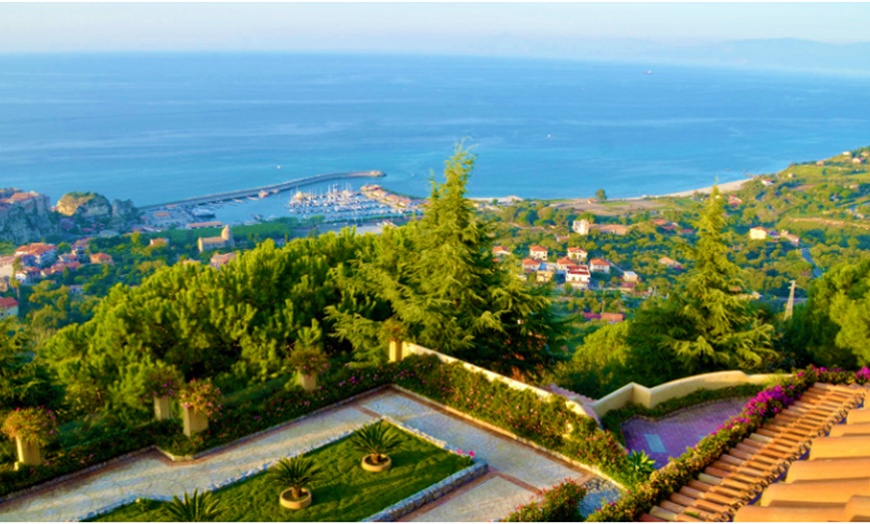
pixel 726 187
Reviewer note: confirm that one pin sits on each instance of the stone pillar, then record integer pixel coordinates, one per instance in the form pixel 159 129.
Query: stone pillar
pixel 194 421
pixel 161 408
pixel 308 382
pixel 396 353
pixel 28 453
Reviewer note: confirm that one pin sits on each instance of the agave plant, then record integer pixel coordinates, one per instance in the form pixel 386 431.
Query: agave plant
pixel 295 474
pixel 376 441
pixel 640 462
pixel 201 507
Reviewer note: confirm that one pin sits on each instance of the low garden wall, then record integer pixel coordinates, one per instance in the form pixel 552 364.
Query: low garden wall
pixel 633 393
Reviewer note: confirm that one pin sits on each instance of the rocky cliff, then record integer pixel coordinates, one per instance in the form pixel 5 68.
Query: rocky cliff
pixel 84 205
pixel 25 217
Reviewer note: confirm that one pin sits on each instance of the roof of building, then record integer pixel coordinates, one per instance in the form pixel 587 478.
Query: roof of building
pixel 599 262
pixel 36 249
pixel 576 250
pixel 537 248
pixel 738 475
pixel 832 483
pixel 8 302
pixel 531 262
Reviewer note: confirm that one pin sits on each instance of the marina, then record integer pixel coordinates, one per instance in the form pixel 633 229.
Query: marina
pixel 333 204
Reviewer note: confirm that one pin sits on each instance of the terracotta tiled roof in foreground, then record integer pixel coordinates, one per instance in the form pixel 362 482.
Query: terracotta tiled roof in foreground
pixel 832 484
pixel 737 477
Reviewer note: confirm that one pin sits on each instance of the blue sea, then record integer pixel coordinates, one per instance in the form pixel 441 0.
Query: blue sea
pixel 158 127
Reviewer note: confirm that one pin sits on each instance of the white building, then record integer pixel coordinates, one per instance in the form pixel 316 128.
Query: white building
pixel 581 227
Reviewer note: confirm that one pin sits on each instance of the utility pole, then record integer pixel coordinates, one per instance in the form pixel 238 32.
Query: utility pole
pixel 789 306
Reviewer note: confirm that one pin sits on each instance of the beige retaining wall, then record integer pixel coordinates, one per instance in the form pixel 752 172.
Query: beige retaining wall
pixel 651 397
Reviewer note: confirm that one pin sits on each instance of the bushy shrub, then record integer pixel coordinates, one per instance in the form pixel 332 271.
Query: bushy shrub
pixel 558 504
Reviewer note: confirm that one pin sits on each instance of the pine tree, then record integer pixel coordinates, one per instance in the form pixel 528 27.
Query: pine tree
pixel 435 281
pixel 710 323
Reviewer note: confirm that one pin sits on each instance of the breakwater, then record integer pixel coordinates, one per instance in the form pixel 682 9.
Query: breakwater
pixel 253 192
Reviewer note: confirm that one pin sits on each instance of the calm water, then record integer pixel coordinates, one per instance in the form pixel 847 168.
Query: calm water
pixel 160 127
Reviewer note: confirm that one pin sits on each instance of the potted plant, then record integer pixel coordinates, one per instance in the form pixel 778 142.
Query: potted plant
pixel 161 382
pixel 307 357
pixel 296 475
pixel 31 428
pixel 395 332
pixel 376 441
pixel 199 400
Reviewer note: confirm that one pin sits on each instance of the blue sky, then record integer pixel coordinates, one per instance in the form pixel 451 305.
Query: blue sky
pixel 411 27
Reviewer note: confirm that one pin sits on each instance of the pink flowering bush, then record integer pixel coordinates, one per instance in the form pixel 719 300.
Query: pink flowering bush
pixel 558 504
pixel 34 425
pixel 202 396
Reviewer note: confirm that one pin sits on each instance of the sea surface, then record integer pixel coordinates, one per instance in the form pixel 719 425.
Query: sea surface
pixel 158 127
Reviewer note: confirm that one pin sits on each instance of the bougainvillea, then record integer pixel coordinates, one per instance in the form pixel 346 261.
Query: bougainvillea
pixel 308 360
pixel 35 425
pixel 558 504
pixel 202 396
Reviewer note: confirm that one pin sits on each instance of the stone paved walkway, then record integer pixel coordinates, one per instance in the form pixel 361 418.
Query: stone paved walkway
pixel 670 436
pixel 516 470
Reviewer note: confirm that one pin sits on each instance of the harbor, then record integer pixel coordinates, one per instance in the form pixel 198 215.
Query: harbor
pixel 310 199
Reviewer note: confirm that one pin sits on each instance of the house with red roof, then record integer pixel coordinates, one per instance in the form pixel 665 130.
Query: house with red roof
pixel 41 253
pixel 530 264
pixel 538 253
pixel 599 265
pixel 500 251
pixel 577 253
pixel 578 277
pixel 8 307
pixel 101 258
pixel 563 263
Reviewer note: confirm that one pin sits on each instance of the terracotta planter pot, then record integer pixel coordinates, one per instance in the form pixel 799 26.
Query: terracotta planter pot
pixel 194 421
pixel 29 453
pixel 162 408
pixel 308 382
pixel 383 465
pixel 289 503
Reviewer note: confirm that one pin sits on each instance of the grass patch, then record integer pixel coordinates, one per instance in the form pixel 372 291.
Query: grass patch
pixel 348 493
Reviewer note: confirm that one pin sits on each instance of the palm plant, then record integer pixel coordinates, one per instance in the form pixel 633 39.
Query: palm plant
pixel 295 474
pixel 376 441
pixel 201 507
pixel 641 463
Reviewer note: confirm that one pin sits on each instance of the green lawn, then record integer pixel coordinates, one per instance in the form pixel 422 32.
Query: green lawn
pixel 348 493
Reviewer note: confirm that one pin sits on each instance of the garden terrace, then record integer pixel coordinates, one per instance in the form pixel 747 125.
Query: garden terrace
pixel 737 476
pixel 516 471
pixel 347 493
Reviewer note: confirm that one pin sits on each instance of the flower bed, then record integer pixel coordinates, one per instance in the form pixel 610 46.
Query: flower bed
pixel 679 472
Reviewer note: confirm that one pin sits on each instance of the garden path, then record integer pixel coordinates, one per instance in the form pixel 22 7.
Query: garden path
pixel 669 436
pixel 516 471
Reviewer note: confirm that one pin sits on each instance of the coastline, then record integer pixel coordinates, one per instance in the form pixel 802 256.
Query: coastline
pixel 725 187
